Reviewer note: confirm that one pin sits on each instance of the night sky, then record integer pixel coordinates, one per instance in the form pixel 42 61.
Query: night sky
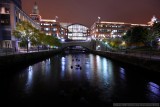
pixel 86 11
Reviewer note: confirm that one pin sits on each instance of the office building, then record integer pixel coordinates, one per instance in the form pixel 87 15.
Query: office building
pixel 50 27
pixel 10 13
pixel 104 29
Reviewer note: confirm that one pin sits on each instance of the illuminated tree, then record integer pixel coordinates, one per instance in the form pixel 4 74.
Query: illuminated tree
pixel 24 32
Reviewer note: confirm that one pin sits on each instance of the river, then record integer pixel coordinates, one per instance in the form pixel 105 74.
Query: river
pixel 79 79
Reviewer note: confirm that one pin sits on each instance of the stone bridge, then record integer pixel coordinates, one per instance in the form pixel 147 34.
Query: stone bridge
pixel 86 44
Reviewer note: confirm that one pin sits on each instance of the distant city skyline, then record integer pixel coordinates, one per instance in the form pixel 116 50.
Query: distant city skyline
pixel 87 11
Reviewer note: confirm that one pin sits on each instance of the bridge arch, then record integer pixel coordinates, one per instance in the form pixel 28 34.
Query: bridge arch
pixel 85 44
pixel 75 46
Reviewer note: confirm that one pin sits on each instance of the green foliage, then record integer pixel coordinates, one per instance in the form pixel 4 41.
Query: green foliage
pixel 136 35
pixel 26 33
pixel 51 40
pixel 154 33
pixel 115 42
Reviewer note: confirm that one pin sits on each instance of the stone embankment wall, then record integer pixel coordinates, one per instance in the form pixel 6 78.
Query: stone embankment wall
pixel 17 60
pixel 148 63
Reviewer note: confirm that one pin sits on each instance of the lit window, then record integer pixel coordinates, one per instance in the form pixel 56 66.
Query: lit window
pixel 46 24
pixel 2 21
pixel 48 33
pixel 101 25
pixel 114 31
pixel 54 29
pixel 19 16
pixel 47 29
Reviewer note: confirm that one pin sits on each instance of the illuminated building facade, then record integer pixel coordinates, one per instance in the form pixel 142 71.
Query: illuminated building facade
pixel 10 14
pixel 154 20
pixel 49 26
pixel 67 31
pixel 78 32
pixel 53 28
pixel 103 29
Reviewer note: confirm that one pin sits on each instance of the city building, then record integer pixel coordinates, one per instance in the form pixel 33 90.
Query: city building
pixel 53 28
pixel 35 14
pixel 10 13
pixel 104 29
pixel 63 31
pixel 154 20
pixel 78 32
pixel 50 27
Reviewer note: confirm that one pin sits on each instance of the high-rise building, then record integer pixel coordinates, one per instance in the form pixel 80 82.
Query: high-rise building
pixel 10 13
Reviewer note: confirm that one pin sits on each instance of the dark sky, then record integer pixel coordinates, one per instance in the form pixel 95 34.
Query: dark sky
pixel 86 11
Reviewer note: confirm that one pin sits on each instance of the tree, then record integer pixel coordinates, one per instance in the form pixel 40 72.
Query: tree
pixel 136 35
pixel 57 42
pixel 154 33
pixel 38 38
pixel 51 40
pixel 115 42
pixel 24 32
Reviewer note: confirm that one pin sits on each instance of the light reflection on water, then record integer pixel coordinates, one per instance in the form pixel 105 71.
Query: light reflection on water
pixel 97 71
pixel 47 67
pixel 122 73
pixel 63 62
pixel 154 88
pixel 29 80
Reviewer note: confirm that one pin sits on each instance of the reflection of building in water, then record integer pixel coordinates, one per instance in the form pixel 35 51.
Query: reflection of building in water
pixel 10 14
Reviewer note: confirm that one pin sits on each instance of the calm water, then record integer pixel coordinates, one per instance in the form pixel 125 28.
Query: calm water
pixel 78 79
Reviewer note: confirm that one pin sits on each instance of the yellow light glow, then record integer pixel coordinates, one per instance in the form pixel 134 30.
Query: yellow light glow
pixel 48 20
